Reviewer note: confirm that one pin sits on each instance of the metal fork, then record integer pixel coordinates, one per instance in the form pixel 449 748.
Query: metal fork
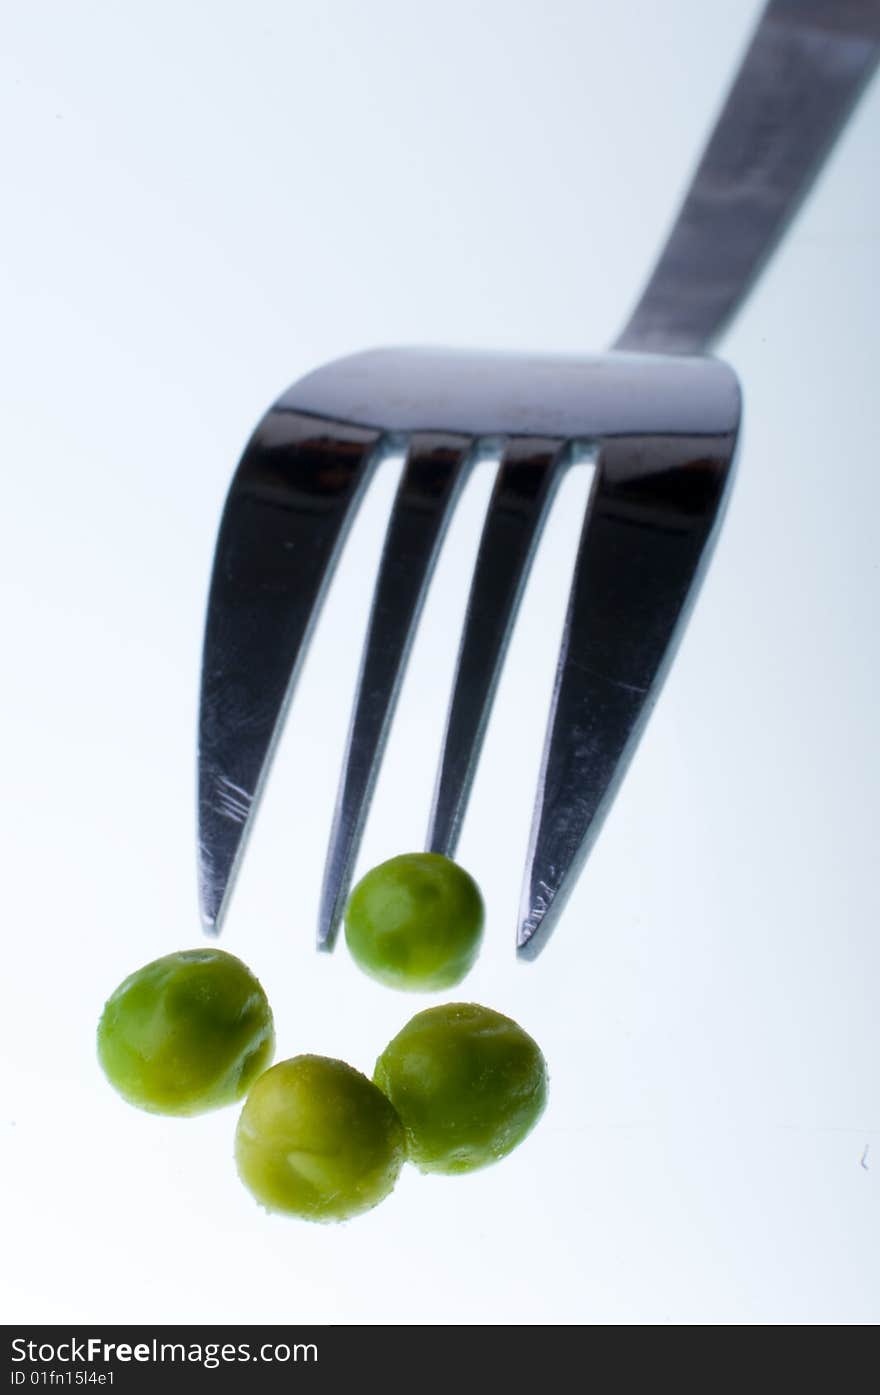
pixel 661 420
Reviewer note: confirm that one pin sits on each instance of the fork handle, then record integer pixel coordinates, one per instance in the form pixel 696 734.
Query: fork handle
pixel 803 71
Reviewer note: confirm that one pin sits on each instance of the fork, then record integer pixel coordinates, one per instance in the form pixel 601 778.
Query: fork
pixel 658 417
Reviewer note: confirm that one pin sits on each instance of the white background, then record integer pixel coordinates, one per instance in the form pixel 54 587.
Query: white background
pixel 202 202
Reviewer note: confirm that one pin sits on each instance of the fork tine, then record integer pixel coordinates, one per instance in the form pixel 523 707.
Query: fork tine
pixel 281 531
pixel 649 519
pixel 524 486
pixel 435 469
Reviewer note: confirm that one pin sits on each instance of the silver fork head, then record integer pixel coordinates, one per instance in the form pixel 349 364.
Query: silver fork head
pixel 663 431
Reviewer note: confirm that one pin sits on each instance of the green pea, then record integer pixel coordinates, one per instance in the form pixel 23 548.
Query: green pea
pixel 316 1139
pixel 415 922
pixel 467 1083
pixel 187 1033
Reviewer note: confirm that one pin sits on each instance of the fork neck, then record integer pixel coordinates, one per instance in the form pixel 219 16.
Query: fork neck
pixel 804 69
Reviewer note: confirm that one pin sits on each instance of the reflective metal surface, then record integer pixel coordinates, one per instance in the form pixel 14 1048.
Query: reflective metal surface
pixel 524 486
pixel 295 489
pixel 801 75
pixel 434 471
pixel 279 537
pixel 663 427
pixel 655 505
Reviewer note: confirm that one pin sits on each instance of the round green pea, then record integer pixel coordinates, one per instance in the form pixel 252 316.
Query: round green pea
pixel 317 1139
pixel 468 1084
pixel 187 1033
pixel 415 922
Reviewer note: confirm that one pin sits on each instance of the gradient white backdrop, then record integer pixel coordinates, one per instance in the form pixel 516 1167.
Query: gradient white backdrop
pixel 204 201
